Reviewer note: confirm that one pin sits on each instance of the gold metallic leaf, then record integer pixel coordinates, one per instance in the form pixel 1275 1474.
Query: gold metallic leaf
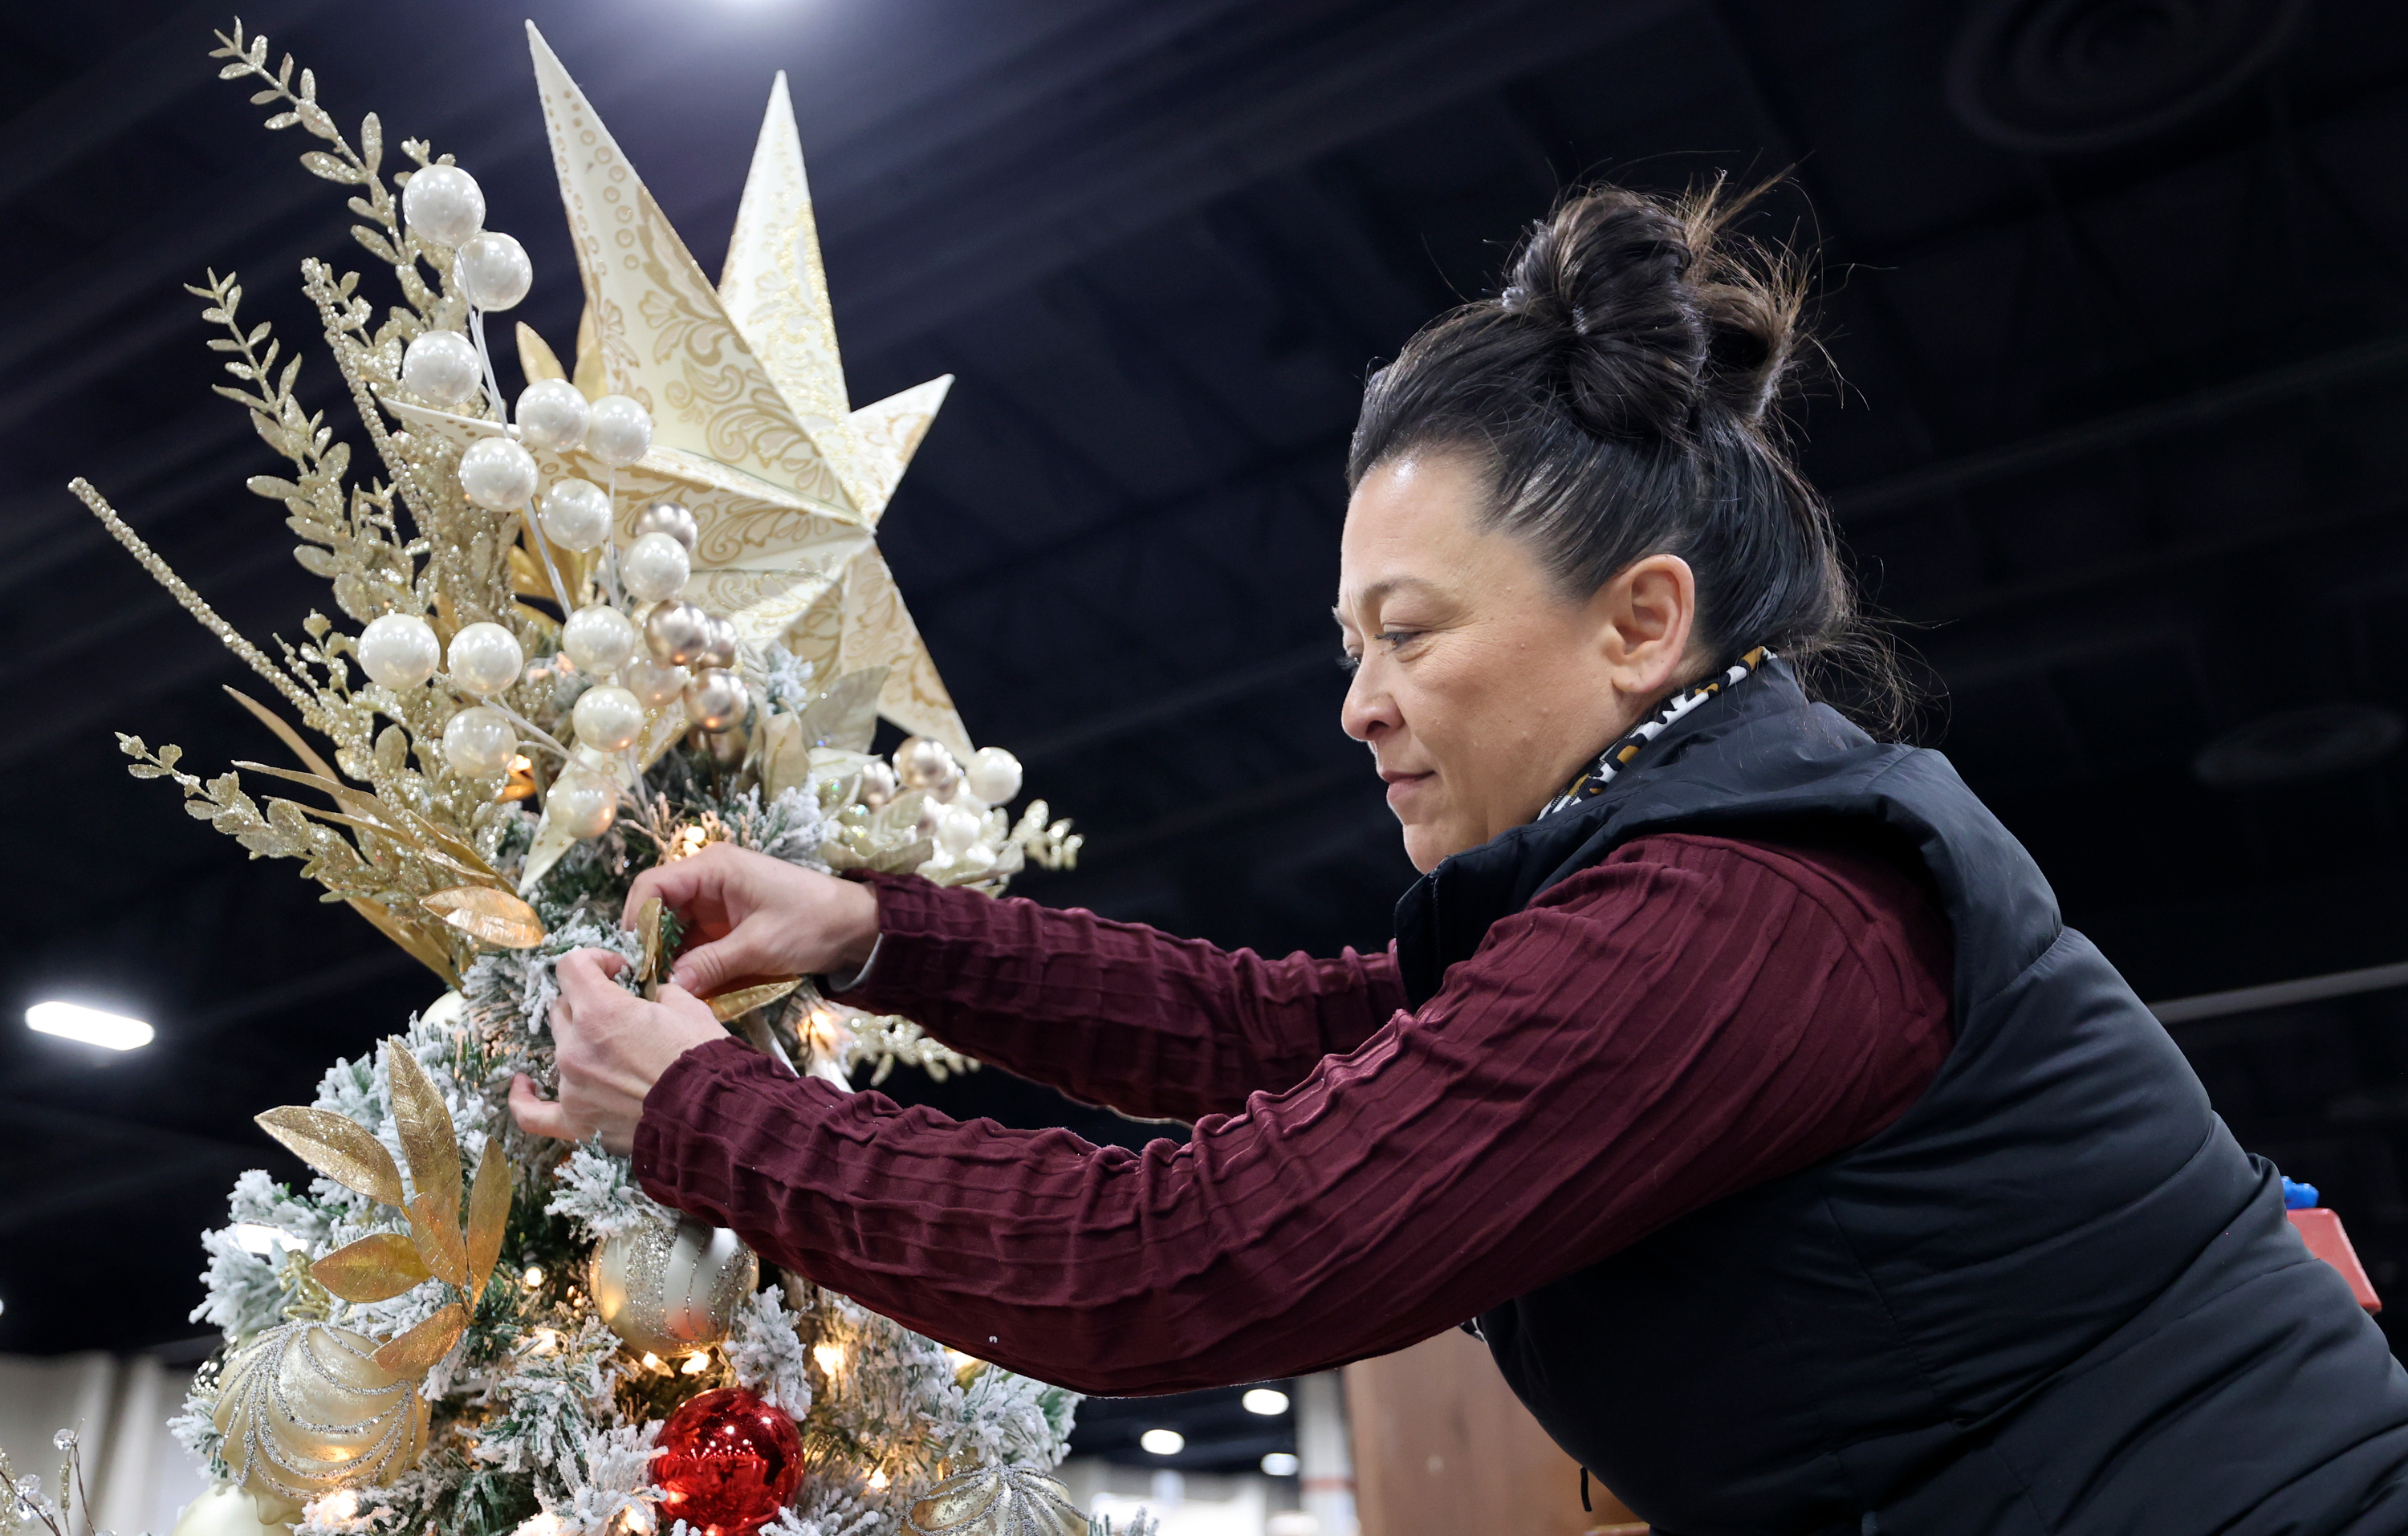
pixel 729 1005
pixel 435 1226
pixel 340 1149
pixel 419 945
pixel 648 932
pixel 414 1354
pixel 375 1269
pixel 489 1216
pixel 397 822
pixel 536 360
pixel 285 733
pixel 432 1149
pixel 487 916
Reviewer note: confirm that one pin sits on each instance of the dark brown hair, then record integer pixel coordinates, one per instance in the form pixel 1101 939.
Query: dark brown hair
pixel 1618 395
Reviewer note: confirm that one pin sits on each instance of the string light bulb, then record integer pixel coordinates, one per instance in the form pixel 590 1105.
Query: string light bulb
pixel 830 1356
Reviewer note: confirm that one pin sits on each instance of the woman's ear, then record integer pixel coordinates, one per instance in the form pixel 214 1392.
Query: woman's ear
pixel 1646 617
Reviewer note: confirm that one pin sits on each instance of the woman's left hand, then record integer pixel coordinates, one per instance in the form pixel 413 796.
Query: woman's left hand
pixel 612 1047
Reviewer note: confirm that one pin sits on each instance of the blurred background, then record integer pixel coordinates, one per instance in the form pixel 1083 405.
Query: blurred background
pixel 2115 299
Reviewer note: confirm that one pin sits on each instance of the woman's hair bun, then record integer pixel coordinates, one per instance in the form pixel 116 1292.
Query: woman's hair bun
pixel 1655 310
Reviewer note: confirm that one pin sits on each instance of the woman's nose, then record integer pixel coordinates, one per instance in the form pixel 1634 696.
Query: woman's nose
pixel 1369 711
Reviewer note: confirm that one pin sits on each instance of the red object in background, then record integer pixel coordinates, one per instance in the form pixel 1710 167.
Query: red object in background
pixel 2327 1241
pixel 728 1462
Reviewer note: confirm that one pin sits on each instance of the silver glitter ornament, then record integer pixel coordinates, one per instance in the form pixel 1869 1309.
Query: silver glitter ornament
pixel 719 650
pixel 671 518
pixel 923 762
pixel 677 632
pixel 307 1410
pixel 670 1291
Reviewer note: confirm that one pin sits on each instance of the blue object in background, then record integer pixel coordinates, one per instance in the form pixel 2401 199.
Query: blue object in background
pixel 2298 1196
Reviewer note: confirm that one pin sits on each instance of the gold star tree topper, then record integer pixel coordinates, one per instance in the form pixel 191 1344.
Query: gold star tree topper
pixel 753 428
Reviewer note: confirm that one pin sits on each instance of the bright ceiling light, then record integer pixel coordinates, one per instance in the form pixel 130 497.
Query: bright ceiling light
pixel 1163 1441
pixel 1281 1464
pixel 72 1020
pixel 1265 1399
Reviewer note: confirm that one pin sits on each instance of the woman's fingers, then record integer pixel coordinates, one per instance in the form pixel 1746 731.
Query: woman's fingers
pixel 539 1116
pixel 707 968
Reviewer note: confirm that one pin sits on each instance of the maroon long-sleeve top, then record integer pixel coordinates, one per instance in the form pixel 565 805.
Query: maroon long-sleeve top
pixel 1692 1017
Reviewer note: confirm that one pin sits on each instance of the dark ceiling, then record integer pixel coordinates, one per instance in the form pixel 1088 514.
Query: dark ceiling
pixel 2116 295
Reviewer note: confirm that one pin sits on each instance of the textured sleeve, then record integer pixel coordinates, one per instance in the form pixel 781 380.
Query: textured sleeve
pixel 1688 1019
pixel 1115 1014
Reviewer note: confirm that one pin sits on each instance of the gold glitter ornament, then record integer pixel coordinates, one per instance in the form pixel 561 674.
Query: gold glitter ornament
pixel 671 1290
pixel 996 1501
pixel 306 1410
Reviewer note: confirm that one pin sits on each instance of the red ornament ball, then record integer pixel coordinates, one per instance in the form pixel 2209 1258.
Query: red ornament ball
pixel 728 1463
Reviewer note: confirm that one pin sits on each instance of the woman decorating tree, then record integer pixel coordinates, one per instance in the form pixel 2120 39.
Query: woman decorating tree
pixel 1732 1073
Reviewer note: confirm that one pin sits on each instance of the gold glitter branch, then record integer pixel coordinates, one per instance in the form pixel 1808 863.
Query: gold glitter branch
pixel 165 576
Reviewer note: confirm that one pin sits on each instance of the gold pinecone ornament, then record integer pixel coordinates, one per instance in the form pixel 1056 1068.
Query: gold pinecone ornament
pixel 996 1502
pixel 306 1410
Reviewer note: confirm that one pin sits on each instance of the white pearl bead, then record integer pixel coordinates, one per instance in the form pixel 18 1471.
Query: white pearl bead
pixel 497 474
pixel 441 366
pixel 878 784
pixel 923 762
pixel 599 639
pixel 443 204
pixel 957 827
pixel 399 651
pixel 608 718
pixel 485 658
pixel 492 271
pixel 552 414
pixel 995 775
pixel 575 514
pixel 655 568
pixel 479 741
pixel 656 684
pixel 715 698
pixel 582 804
pixel 619 432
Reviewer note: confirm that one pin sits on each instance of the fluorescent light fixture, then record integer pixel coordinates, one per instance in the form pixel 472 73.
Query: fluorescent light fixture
pixel 255 1237
pixel 1281 1464
pixel 1163 1441
pixel 1265 1401
pixel 72 1020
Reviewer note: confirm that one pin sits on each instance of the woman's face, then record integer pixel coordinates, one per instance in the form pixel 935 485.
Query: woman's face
pixel 1479 687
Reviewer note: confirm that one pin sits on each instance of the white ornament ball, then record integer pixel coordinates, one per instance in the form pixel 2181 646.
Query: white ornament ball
pixel 552 414
pixel 671 1290
pixel 441 366
pixel 497 474
pixel 655 568
pixel 492 271
pixel 957 827
pixel 224 1509
pixel 677 632
pixel 715 700
pixel 656 683
pixel 671 518
pixel 599 639
pixel 399 651
pixel 993 775
pixel 443 204
pixel 923 762
pixel 620 431
pixel 608 718
pixel 479 741
pixel 485 658
pixel 583 805
pixel 575 514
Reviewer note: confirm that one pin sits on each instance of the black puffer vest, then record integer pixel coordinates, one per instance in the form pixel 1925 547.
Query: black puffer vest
pixel 2054 1297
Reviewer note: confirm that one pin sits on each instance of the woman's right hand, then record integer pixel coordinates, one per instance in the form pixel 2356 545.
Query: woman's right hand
pixel 757 916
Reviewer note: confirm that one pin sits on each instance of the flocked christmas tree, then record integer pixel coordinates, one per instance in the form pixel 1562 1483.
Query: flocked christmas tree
pixel 636 611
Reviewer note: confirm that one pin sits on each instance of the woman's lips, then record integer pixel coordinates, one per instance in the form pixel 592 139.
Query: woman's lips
pixel 1402 786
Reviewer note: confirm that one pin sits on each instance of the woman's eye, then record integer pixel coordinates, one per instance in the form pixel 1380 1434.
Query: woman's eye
pixel 1394 638
pixel 1349 661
